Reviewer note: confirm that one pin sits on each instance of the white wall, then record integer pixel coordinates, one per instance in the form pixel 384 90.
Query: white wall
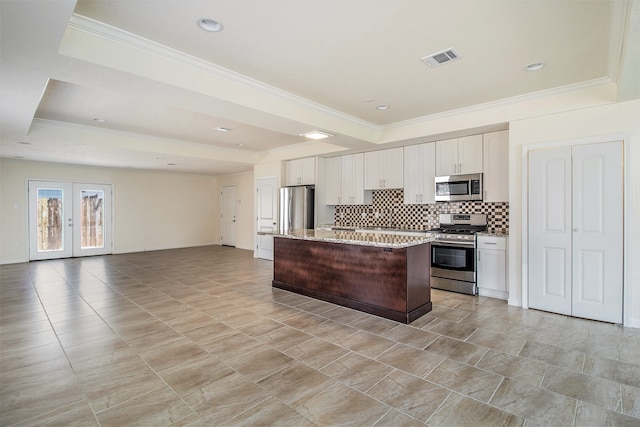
pixel 598 123
pixel 244 217
pixel 152 210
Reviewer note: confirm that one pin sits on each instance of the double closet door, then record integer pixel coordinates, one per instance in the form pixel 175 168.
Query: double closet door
pixel 576 230
pixel 69 219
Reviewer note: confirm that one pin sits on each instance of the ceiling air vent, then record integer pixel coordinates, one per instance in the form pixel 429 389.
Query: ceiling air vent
pixel 442 57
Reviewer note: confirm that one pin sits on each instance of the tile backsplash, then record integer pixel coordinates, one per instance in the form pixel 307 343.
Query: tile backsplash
pixel 388 210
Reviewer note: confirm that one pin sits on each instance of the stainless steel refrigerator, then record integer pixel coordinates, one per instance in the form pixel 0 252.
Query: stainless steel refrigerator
pixel 296 208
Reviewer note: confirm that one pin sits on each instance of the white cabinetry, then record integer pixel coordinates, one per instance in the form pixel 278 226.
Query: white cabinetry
pixel 300 171
pixel 383 169
pixel 352 188
pixel 492 266
pixel 495 158
pixel 333 180
pixel 419 173
pixel 459 156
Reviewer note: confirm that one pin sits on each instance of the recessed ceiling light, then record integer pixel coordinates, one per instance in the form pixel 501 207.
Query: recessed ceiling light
pixel 383 107
pixel 18 157
pixel 535 66
pixel 100 120
pixel 171 164
pixel 221 129
pixel 210 25
pixel 240 144
pixel 24 143
pixel 316 134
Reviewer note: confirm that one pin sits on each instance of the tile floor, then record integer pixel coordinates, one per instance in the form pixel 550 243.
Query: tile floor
pixel 197 336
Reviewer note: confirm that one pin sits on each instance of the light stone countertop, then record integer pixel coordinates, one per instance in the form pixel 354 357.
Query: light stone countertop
pixel 357 238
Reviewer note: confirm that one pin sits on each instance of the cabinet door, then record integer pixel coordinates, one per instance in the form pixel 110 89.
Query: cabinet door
pixel 352 179
pixel 428 157
pixel 495 158
pixel 308 171
pixel 447 157
pixel 373 170
pixel 393 168
pixel 492 270
pixel 413 182
pixel 293 172
pixel 333 181
pixel 470 154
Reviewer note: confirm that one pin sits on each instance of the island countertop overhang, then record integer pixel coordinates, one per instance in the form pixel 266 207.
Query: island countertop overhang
pixel 357 238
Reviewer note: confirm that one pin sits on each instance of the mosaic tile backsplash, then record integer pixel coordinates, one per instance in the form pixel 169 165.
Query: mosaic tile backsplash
pixel 388 210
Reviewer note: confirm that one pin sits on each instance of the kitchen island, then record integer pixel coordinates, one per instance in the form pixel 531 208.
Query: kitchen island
pixel 382 274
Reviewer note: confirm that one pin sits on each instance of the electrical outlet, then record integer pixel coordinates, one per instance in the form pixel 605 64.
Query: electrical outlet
pixel 376 214
pixel 341 215
pixel 364 215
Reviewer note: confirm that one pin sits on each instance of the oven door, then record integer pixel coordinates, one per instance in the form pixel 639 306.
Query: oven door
pixel 453 261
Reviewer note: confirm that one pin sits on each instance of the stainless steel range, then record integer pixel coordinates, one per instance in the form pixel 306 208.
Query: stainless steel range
pixel 453 252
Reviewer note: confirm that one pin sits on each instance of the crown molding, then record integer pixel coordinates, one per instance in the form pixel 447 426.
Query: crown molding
pixel 547 93
pixel 96 28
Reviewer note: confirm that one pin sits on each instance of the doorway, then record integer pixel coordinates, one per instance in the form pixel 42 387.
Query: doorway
pixel 228 216
pixel 68 219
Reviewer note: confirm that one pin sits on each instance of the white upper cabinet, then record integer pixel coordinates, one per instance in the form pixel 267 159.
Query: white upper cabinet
pixel 496 166
pixel 383 169
pixel 333 180
pixel 459 156
pixel 300 171
pixel 352 189
pixel 419 173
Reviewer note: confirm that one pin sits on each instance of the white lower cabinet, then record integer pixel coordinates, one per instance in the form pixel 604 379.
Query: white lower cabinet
pixel 492 266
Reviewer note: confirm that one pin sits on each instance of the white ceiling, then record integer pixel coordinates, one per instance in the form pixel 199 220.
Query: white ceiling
pixel 278 69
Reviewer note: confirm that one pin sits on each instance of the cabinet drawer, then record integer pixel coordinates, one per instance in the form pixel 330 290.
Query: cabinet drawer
pixel 492 242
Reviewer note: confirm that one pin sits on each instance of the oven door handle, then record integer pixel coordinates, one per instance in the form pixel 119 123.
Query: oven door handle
pixel 453 244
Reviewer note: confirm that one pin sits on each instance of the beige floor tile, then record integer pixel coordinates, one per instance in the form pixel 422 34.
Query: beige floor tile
pixel 316 353
pixel 457 350
pixel 225 398
pixel 270 412
pixel 196 374
pixel 590 389
pixel 458 410
pixel 357 371
pixel 589 415
pixel 341 405
pixel 296 384
pixel 410 335
pixel 206 322
pixel 411 395
pixel 260 363
pixel 77 414
pixel 395 418
pixel 467 380
pixel 411 360
pixel 517 368
pixel 157 408
pixel 540 406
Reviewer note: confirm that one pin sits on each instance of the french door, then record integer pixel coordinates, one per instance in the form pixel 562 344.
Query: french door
pixel 69 219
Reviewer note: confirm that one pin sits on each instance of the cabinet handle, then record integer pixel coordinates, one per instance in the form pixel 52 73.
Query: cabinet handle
pixel 489 243
pixel 339 200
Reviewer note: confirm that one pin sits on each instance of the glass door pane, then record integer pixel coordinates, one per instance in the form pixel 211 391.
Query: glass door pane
pixel 91 219
pixel 50 220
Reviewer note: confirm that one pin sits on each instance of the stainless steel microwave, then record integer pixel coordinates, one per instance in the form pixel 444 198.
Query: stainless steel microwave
pixel 456 188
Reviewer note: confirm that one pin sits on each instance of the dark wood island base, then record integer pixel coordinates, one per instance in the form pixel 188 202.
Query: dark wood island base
pixel 391 282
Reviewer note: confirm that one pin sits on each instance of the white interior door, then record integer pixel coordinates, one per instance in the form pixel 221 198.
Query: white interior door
pixel 550 230
pixel 69 219
pixel 576 230
pixel 229 212
pixel 598 231
pixel 267 214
